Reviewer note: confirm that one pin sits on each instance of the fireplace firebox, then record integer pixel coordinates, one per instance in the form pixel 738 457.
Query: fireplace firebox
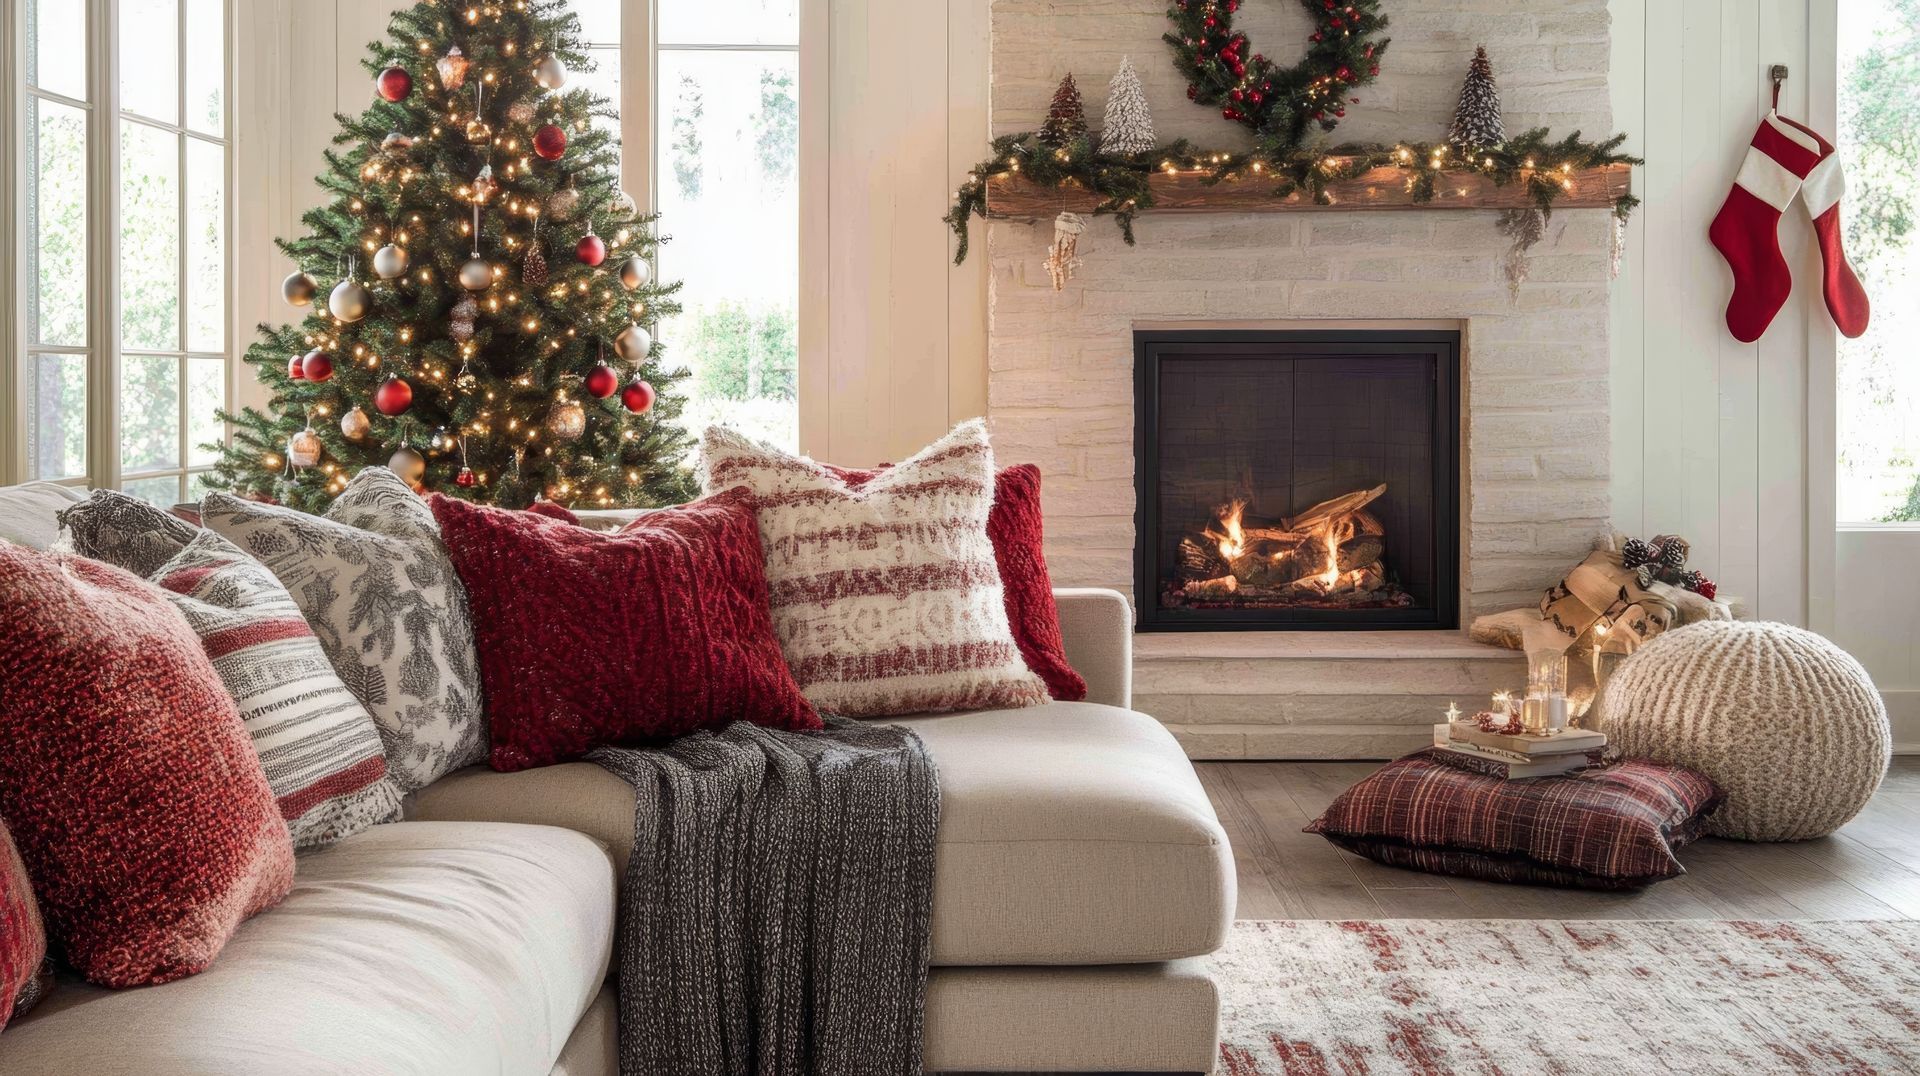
pixel 1301 479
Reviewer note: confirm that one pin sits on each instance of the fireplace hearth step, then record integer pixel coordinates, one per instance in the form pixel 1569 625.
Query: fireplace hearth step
pixel 1307 695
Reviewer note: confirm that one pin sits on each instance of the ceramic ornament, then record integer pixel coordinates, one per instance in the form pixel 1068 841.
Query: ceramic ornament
pixel 350 300
pixel 304 449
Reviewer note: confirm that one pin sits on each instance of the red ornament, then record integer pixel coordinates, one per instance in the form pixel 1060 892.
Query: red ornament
pixel 1313 37
pixel 637 396
pixel 592 249
pixel 1374 70
pixel 550 142
pixel 394 83
pixel 317 365
pixel 297 368
pixel 1343 73
pixel 1336 24
pixel 1210 22
pixel 1339 111
pixel 1238 95
pixel 393 397
pixel 464 478
pixel 601 382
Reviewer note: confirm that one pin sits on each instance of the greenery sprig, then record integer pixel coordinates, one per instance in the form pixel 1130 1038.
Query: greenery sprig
pixel 1542 164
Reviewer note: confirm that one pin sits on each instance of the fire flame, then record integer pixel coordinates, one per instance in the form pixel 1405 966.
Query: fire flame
pixel 1233 541
pixel 1332 575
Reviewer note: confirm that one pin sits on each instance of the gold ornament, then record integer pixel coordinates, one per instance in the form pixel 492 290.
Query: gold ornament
pixel 389 261
pixel 299 288
pixel 476 275
pixel 563 203
pixel 452 68
pixel 304 448
pixel 567 421
pixel 411 466
pixel 635 272
pixel 355 425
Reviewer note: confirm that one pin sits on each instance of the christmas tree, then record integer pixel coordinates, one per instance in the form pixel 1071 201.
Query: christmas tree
pixel 1127 125
pixel 482 291
pixel 1476 121
pixel 1066 117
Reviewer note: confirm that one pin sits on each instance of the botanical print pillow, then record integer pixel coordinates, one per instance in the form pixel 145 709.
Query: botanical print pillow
pixel 375 583
pixel 319 747
pixel 886 597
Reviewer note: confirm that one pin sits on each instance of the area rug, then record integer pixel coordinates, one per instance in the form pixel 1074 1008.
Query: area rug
pixel 1324 998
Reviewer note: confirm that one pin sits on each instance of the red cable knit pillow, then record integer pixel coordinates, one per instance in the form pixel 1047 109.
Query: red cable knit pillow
pixel 23 938
pixel 588 638
pixel 131 787
pixel 1015 526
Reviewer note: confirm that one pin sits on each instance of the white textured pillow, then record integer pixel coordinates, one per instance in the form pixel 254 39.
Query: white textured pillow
pixel 886 598
pixel 374 581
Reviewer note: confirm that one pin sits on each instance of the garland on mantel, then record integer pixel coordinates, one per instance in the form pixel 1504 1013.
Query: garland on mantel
pixel 1534 159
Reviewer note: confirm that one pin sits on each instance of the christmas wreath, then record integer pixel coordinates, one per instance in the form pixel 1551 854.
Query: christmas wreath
pixel 1278 103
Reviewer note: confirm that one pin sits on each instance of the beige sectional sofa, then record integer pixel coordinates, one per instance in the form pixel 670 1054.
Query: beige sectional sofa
pixel 1081 878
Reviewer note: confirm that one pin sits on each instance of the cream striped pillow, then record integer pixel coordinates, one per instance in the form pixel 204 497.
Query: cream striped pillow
pixel 886 598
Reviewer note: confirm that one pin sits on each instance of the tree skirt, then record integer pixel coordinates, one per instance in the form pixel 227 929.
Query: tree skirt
pixel 1520 996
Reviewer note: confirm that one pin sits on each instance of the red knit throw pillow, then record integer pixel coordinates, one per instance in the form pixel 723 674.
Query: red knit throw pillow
pixel 131 787
pixel 23 939
pixel 588 638
pixel 1014 524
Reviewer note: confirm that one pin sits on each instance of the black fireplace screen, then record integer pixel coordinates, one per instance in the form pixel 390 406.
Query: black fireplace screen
pixel 1297 479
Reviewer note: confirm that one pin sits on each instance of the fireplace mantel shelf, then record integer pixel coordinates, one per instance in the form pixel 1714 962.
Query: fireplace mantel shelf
pixel 1014 198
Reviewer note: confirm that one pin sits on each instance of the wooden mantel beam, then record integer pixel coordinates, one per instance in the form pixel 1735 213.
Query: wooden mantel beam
pixel 1013 197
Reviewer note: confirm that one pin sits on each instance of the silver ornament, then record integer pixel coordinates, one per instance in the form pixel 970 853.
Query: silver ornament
pixel 624 204
pixel 550 72
pixel 299 288
pixel 635 272
pixel 389 261
pixel 350 301
pixel 303 449
pixel 476 275
pixel 567 421
pixel 408 464
pixel 355 425
pixel 396 145
pixel 563 203
pixel 632 344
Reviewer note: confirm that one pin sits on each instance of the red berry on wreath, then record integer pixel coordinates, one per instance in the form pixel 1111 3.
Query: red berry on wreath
pixel 1313 37
pixel 1339 111
pixel 1238 95
pixel 317 365
pixel 637 397
pixel 394 84
pixel 393 397
pixel 1209 22
pixel 1706 589
pixel 1336 24
pixel 550 142
pixel 1192 91
pixel 1255 97
pixel 1374 70
pixel 592 250
pixel 601 382
pixel 1233 6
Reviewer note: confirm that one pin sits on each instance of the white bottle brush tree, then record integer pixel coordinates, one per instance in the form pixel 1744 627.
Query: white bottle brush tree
pixel 1128 125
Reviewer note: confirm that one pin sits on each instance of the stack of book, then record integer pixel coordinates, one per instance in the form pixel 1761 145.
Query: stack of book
pixel 1499 754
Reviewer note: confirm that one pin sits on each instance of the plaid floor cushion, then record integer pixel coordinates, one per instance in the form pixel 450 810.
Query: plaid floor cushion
pixel 1611 827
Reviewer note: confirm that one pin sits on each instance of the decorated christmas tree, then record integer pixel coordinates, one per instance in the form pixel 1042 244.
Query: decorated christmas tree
pixel 482 293
pixel 1127 126
pixel 1476 121
pixel 1066 116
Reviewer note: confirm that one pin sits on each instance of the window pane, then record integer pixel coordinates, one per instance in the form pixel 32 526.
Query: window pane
pixel 206 65
pixel 149 412
pixel 198 485
pixel 727 184
pixel 206 246
pixel 57 220
pixel 149 237
pixel 206 395
pixel 56 416
pixel 1879 384
pixel 604 80
pixel 729 22
pixel 57 46
pixel 149 58
pixel 599 21
pixel 161 492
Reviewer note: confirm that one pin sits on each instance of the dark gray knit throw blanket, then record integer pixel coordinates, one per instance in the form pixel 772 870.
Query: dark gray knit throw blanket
pixel 777 912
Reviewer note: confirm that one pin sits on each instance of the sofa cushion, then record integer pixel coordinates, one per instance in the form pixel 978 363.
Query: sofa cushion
pixel 411 948
pixel 28 511
pixel 1070 833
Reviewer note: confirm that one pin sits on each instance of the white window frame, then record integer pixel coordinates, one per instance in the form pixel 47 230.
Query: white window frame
pixel 103 347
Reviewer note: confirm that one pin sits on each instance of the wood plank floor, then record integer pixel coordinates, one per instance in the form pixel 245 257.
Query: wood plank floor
pixel 1869 870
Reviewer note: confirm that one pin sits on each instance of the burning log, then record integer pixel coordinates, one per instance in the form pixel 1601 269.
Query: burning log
pixel 1224 587
pixel 1333 547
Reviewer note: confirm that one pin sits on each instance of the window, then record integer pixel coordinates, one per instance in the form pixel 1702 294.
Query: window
pixel 125 289
pixel 1879 384
pixel 723 168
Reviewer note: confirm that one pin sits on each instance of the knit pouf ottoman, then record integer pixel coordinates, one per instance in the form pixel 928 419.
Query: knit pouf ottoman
pixel 1786 723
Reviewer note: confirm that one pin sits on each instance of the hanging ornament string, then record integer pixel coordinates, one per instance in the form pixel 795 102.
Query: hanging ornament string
pixel 1277 103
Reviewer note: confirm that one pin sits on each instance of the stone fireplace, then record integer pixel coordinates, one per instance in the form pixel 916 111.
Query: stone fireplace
pixel 1533 441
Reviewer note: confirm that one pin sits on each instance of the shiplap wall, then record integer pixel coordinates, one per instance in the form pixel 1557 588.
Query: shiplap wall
pixel 1711 436
pixel 893 338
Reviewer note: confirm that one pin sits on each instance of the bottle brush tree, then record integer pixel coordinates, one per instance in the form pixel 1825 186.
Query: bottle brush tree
pixel 1476 120
pixel 480 292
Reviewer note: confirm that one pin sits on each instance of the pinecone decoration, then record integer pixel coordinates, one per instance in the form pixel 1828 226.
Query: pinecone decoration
pixel 533 269
pixel 1670 550
pixel 1066 117
pixel 1635 553
pixel 1476 120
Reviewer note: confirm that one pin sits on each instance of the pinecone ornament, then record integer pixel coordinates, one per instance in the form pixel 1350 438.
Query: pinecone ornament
pixel 460 320
pixel 1476 120
pixel 1635 553
pixel 1670 550
pixel 1066 117
pixel 533 270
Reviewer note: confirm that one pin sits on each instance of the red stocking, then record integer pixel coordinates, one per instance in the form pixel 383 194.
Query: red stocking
pixel 1746 231
pixel 1846 299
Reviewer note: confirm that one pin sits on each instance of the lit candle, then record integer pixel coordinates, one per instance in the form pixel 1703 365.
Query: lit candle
pixel 1453 712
